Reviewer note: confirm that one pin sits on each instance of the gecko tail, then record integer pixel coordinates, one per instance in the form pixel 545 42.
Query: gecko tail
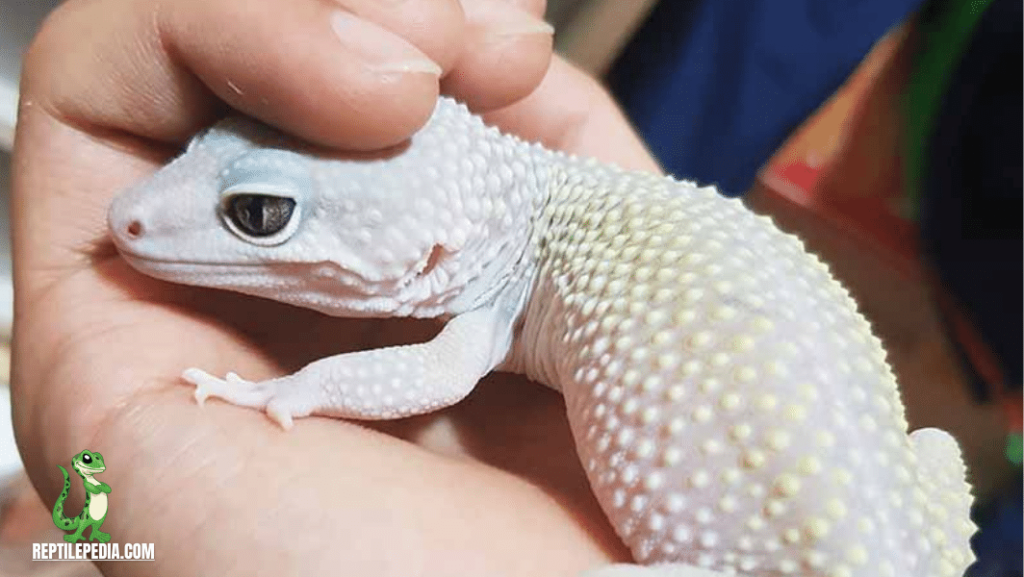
pixel 943 479
pixel 59 519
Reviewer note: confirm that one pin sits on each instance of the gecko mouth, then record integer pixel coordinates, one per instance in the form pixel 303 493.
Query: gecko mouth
pixel 138 260
pixel 255 278
pixel 146 262
pixel 185 271
pixel 178 269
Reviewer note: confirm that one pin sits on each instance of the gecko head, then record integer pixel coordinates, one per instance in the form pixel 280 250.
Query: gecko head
pixel 88 463
pixel 249 209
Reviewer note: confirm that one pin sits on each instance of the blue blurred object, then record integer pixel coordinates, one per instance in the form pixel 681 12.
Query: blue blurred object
pixel 715 87
pixel 998 542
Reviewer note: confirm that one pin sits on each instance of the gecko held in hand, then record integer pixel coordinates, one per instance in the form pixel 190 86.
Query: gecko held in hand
pixel 731 407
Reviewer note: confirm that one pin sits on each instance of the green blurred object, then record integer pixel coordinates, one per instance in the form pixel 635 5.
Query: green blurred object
pixel 1015 448
pixel 945 28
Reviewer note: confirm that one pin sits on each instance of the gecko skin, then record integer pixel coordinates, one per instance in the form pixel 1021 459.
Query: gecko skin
pixel 732 409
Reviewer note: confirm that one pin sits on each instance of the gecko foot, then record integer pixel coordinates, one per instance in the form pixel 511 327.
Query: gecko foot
pixel 281 403
pixel 232 388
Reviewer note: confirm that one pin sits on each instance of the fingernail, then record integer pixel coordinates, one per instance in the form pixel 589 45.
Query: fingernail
pixel 506 19
pixel 383 50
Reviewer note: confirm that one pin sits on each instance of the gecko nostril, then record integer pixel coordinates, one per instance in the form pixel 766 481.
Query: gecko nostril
pixel 134 229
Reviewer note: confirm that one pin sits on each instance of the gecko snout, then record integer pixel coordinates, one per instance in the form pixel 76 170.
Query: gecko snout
pixel 125 226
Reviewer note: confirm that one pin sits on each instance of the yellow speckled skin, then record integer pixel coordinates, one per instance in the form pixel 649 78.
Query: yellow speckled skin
pixel 731 407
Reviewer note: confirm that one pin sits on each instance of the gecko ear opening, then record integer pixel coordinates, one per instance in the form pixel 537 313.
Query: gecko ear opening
pixel 259 218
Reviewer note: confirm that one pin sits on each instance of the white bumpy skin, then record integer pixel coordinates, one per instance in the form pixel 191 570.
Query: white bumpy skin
pixel 732 409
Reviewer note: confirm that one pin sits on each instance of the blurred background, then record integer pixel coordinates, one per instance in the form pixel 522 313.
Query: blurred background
pixel 886 134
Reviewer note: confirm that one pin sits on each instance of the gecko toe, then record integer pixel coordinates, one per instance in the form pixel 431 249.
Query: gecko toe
pixel 287 405
pixel 201 379
pixel 280 415
pixel 200 395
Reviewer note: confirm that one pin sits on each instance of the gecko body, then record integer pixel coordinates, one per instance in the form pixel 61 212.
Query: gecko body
pixel 732 410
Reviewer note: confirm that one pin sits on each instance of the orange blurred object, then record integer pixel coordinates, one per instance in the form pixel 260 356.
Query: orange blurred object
pixel 844 166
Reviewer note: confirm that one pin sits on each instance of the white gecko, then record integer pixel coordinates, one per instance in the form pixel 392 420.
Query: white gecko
pixel 732 409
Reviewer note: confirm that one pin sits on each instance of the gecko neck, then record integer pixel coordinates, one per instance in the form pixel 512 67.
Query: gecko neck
pixel 505 253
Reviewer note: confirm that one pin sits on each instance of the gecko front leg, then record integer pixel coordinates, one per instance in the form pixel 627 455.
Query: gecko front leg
pixel 383 383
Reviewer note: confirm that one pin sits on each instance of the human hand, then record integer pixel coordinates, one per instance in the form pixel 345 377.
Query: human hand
pixel 111 89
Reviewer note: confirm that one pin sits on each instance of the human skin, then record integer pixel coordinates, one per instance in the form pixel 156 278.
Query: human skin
pixel 111 89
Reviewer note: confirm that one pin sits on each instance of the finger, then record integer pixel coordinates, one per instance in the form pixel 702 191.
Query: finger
pixel 435 27
pixel 312 68
pixel 535 7
pixel 505 54
pixel 571 112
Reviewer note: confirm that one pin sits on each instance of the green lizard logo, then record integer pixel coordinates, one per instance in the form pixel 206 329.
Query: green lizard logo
pixel 86 464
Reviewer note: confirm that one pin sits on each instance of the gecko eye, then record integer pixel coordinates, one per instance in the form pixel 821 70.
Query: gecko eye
pixel 262 194
pixel 86 458
pixel 259 215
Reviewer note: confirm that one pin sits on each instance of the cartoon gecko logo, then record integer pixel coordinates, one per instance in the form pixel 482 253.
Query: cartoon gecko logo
pixel 94 512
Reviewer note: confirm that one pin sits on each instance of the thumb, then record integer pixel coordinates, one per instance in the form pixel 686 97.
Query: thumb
pixel 162 70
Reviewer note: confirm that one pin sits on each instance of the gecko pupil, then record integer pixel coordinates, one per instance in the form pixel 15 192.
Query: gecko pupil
pixel 86 458
pixel 260 214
